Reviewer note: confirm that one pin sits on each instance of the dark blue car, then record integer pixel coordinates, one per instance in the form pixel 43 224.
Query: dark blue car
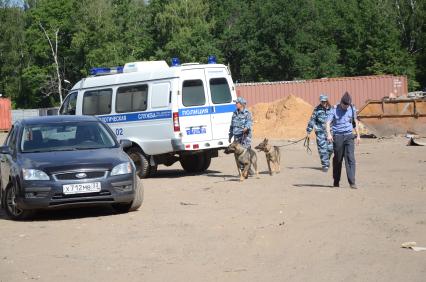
pixel 60 161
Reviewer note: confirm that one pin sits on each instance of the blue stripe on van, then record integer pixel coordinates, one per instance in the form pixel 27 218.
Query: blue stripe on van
pixel 224 109
pixel 167 114
pixel 195 111
pixel 136 116
pixel 207 110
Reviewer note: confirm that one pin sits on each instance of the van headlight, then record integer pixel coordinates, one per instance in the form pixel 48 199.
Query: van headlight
pixel 123 168
pixel 34 174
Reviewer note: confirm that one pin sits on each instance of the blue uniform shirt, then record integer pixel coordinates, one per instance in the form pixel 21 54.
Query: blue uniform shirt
pixel 318 119
pixel 240 120
pixel 341 120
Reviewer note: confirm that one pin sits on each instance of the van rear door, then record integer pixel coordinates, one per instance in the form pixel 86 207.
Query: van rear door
pixel 221 98
pixel 194 110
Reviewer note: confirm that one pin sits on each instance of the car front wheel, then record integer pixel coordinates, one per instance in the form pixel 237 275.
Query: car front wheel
pixel 11 207
pixel 137 201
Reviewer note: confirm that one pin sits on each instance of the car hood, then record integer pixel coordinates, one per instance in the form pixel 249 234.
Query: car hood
pixel 74 160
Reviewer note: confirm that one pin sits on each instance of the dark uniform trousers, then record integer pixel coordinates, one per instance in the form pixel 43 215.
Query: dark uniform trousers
pixel 344 148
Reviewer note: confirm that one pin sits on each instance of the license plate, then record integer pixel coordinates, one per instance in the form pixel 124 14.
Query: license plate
pixel 81 188
pixel 196 130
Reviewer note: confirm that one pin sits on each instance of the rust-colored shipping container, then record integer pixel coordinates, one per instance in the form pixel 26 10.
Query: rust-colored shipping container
pixel 361 88
pixel 5 114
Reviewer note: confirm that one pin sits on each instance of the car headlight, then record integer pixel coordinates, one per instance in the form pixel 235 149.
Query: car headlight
pixel 34 174
pixel 123 168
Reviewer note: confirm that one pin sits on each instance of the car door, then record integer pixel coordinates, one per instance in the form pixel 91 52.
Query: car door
pixel 221 98
pixel 6 159
pixel 194 107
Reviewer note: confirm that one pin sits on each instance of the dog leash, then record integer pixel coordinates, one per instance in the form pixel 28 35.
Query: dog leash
pixel 294 142
pixel 306 144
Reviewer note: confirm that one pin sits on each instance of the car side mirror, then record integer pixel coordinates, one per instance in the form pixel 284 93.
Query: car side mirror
pixel 5 150
pixel 124 143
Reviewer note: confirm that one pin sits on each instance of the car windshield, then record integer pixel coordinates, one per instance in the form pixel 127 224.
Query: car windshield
pixel 65 137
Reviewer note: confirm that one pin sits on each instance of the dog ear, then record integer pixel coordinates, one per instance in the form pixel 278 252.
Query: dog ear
pixel 266 141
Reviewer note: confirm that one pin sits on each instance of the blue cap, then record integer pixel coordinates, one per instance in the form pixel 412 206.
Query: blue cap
pixel 323 98
pixel 241 100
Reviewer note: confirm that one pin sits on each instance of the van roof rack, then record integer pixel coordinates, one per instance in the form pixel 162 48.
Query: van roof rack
pixel 190 64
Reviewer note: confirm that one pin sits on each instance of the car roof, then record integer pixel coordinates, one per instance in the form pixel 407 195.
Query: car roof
pixel 57 119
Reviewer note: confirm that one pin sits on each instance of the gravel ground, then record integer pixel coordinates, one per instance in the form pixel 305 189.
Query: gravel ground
pixel 288 227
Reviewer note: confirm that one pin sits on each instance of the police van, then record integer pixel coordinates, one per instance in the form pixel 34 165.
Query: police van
pixel 171 113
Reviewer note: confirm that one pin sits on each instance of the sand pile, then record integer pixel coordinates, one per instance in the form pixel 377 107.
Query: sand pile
pixel 282 119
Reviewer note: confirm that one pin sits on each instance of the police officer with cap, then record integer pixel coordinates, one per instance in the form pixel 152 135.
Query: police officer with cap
pixel 318 121
pixel 341 122
pixel 241 124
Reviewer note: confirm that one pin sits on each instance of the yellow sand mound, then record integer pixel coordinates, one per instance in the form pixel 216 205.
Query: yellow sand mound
pixel 282 119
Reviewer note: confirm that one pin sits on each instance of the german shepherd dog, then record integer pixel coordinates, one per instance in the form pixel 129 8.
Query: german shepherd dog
pixel 244 159
pixel 273 156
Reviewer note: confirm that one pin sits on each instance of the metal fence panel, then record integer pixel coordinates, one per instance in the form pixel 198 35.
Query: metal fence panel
pixel 361 88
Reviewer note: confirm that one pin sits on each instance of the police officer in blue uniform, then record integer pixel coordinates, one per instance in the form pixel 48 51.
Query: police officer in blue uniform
pixel 242 124
pixel 341 122
pixel 318 122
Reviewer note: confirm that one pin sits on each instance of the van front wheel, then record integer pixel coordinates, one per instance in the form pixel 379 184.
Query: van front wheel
pixel 140 161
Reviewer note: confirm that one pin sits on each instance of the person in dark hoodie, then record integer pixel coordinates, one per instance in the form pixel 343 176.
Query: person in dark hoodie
pixel 342 121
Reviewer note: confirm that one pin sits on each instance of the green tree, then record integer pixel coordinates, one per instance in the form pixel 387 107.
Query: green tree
pixel 12 50
pixel 48 36
pixel 261 40
pixel 384 53
pixel 279 40
pixel 184 31
pixel 110 33
pixel 411 20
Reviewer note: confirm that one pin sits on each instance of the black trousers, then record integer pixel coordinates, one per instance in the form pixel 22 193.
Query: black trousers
pixel 344 147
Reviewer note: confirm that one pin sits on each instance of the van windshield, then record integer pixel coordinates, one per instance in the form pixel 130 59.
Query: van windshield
pixel 66 137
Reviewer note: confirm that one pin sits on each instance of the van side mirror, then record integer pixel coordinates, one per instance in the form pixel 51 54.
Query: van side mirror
pixel 124 143
pixel 5 150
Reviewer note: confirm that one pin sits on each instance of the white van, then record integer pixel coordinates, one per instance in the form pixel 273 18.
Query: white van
pixel 178 113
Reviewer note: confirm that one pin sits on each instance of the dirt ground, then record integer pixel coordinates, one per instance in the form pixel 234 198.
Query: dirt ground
pixel 289 227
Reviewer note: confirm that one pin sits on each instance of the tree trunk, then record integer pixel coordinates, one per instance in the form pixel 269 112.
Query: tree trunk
pixel 55 58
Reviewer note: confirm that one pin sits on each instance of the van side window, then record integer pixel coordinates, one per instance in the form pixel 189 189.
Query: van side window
pixel 69 105
pixel 131 98
pixel 220 92
pixel 193 93
pixel 97 102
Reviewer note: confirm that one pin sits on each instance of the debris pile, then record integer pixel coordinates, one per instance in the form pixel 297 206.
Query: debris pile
pixel 282 119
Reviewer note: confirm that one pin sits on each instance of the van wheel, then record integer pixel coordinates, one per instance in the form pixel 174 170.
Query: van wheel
pixel 207 162
pixel 137 201
pixel 11 207
pixel 193 163
pixel 140 161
